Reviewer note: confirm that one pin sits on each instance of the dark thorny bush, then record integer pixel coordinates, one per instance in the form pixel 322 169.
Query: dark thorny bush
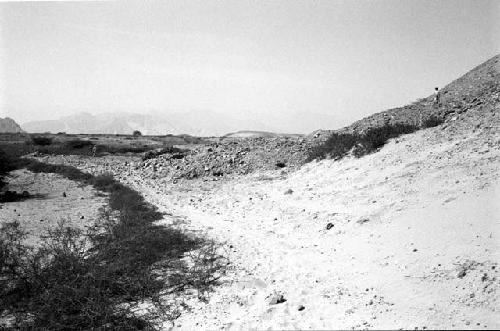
pixel 96 279
pixel 165 150
pixel 41 141
pixel 78 144
pixel 376 137
pixel 126 149
pixel 336 146
pixel 280 164
pixel 104 182
pixel 432 121
pixel 7 163
pixel 339 145
pixel 70 147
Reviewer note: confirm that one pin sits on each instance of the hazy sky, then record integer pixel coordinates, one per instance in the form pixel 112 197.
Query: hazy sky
pixel 331 57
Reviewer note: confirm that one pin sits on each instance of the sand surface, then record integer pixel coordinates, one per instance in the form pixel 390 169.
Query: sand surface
pixel 48 206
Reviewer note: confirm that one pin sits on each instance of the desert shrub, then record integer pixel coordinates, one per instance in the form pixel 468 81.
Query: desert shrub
pixel 190 139
pixel 339 145
pixel 58 286
pixel 70 147
pixel 96 279
pixel 78 144
pixel 165 150
pixel 376 137
pixel 336 146
pixel 41 141
pixel 432 121
pixel 125 149
pixel 7 163
pixel 103 182
pixel 280 164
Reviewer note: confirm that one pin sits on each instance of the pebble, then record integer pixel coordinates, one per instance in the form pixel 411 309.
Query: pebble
pixel 276 298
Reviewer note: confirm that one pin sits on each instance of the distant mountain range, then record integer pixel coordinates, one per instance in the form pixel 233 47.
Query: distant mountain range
pixel 196 123
pixel 8 125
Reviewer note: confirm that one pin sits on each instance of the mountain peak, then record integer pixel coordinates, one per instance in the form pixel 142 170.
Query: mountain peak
pixel 8 125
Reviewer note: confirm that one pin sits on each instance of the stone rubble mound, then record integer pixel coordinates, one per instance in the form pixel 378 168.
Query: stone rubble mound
pixel 229 156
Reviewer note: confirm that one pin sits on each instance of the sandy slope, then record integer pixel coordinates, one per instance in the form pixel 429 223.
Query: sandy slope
pixel 405 220
pixel 413 241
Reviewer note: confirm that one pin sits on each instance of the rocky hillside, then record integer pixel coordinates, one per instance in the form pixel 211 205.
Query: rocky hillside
pixel 478 87
pixel 8 125
pixel 477 91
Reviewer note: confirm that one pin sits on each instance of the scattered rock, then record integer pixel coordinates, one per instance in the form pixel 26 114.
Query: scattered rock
pixel 465 267
pixel 362 221
pixel 280 164
pixel 289 191
pixel 329 226
pixel 64 194
pixel 276 298
pixel 230 156
pixel 301 308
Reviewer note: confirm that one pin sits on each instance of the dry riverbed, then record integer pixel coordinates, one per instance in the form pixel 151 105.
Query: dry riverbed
pixel 407 237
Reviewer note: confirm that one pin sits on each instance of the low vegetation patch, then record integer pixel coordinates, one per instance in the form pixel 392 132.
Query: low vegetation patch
pixel 432 121
pixel 176 152
pixel 99 278
pixel 375 138
pixel 7 163
pixel 125 149
pixel 58 145
pixel 338 145
pixel 78 144
pixel 41 140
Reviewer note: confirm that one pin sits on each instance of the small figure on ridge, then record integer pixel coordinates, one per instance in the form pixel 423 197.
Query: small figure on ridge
pixel 437 97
